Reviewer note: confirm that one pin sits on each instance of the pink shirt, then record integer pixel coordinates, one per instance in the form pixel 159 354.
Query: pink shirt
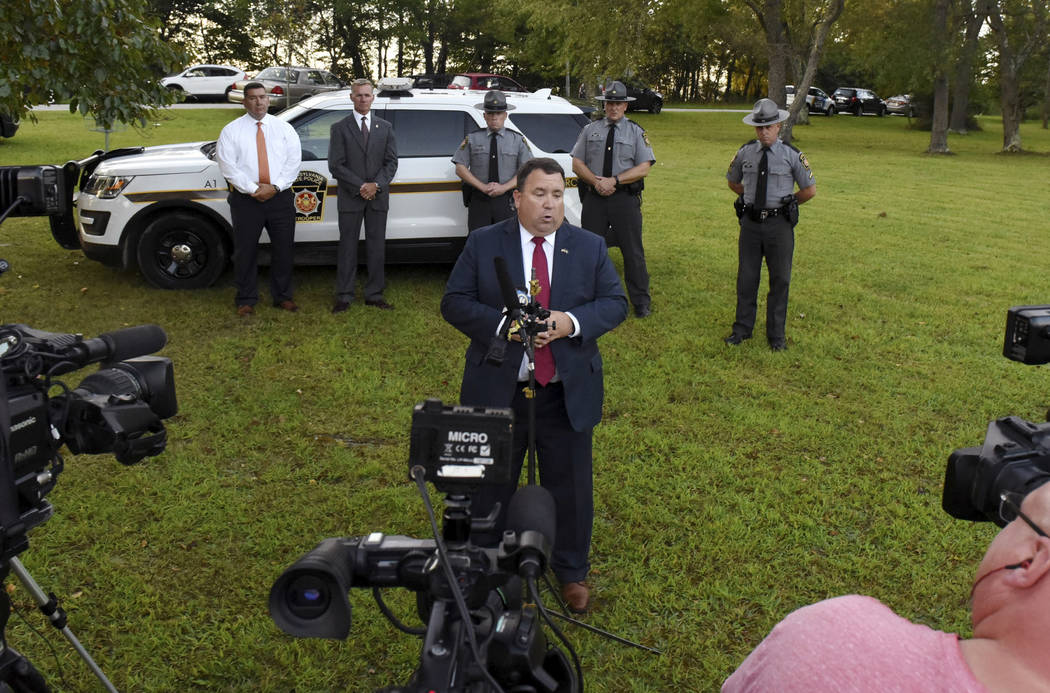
pixel 857 644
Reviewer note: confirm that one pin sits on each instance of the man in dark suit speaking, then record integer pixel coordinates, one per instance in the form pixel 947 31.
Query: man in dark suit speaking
pixel 362 156
pixel 580 286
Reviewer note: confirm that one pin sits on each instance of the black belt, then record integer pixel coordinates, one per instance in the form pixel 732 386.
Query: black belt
pixel 763 214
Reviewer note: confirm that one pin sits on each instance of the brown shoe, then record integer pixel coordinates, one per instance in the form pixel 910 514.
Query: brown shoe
pixel 286 305
pixel 245 310
pixel 379 303
pixel 577 596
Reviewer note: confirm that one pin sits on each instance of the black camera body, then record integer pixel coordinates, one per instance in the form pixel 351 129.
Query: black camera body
pixel 1015 456
pixel 117 409
pixel 459 449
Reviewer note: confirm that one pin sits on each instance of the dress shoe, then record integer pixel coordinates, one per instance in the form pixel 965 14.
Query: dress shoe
pixel 734 339
pixel 642 311
pixel 577 596
pixel 379 303
pixel 245 310
pixel 286 305
pixel 340 306
pixel 778 345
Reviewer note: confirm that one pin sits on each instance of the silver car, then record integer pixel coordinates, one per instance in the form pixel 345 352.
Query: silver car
pixel 288 86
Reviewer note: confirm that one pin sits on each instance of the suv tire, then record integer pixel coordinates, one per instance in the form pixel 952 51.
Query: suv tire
pixel 830 112
pixel 858 110
pixel 656 106
pixel 181 250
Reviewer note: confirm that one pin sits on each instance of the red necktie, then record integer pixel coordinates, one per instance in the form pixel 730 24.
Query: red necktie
pixel 364 130
pixel 264 161
pixel 544 359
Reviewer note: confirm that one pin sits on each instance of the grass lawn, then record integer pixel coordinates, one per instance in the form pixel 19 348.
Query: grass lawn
pixel 732 484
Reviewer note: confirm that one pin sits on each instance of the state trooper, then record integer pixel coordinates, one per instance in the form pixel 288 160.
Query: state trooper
pixel 488 161
pixel 611 158
pixel 763 174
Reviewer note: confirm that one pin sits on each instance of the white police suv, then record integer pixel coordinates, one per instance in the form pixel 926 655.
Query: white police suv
pixel 164 209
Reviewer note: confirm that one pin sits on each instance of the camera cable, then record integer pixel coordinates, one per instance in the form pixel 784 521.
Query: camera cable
pixel 418 474
pixel 534 594
pixel 377 594
pixel 54 653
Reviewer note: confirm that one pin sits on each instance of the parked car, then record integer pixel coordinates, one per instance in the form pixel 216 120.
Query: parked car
pixel 431 81
pixel 289 85
pixel 204 81
pixel 816 101
pixel 858 101
pixel 485 81
pixel 164 209
pixel 8 125
pixel 645 99
pixel 900 105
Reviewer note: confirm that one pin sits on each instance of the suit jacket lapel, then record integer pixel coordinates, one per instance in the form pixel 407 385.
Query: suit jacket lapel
pixel 563 243
pixel 512 252
pixel 355 126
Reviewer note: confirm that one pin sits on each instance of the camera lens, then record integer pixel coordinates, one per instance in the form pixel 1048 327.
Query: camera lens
pixel 308 597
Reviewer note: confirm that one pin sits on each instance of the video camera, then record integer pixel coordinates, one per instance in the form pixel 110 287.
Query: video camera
pixel 117 409
pixel 1015 456
pixel 478 636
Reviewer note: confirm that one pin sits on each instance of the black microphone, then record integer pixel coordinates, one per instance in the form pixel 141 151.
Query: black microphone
pixel 532 515
pixel 506 286
pixel 119 345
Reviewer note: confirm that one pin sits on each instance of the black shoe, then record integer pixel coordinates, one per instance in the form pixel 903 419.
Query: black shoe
pixel 778 345
pixel 340 306
pixel 642 311
pixel 379 303
pixel 734 339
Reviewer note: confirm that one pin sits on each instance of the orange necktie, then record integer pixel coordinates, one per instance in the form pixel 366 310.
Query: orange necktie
pixel 264 161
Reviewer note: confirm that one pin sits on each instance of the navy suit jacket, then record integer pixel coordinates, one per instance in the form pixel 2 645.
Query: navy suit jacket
pixel 352 165
pixel 584 282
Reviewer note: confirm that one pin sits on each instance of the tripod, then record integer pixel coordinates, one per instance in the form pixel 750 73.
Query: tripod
pixel 16 672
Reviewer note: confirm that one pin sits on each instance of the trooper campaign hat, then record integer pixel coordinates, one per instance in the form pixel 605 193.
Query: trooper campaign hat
pixel 615 92
pixel 495 102
pixel 765 112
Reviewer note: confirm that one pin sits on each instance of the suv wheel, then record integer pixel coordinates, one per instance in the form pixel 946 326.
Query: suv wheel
pixel 181 250
pixel 858 110
pixel 656 105
pixel 830 112
pixel 882 111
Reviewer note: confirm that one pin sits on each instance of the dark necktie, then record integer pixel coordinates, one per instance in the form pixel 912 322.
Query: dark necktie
pixel 763 176
pixel 607 164
pixel 493 159
pixel 543 358
pixel 364 130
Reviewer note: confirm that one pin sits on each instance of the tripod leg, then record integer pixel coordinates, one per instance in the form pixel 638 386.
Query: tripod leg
pixel 18 675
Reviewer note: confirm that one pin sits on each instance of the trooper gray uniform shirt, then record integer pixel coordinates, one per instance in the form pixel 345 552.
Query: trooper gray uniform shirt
pixel 786 166
pixel 631 146
pixel 474 153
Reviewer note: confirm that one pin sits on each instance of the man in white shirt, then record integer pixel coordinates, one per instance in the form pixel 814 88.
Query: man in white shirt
pixel 259 156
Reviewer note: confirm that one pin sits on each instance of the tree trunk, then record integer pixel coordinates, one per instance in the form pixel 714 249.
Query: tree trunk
pixel 1046 98
pixel 816 49
pixel 963 77
pixel 1009 91
pixel 939 129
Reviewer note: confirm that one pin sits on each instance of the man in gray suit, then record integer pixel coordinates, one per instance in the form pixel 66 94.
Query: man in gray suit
pixel 362 156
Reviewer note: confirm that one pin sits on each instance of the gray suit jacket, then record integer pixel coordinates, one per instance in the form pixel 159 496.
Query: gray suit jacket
pixel 353 166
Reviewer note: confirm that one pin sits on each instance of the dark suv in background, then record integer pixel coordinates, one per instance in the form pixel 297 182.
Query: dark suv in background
pixel 645 99
pixel 858 101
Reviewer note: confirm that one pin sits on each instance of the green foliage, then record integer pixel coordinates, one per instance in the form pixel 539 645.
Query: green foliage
pixel 732 485
pixel 100 56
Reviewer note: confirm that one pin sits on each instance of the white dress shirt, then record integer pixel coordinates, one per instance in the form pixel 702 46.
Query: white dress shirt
pixel 239 159
pixel 527 250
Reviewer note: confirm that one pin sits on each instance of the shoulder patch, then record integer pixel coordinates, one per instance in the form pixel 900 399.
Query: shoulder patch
pixel 803 160
pixel 463 144
pixel 645 138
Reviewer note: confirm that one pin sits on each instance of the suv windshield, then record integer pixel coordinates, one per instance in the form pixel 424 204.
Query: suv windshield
pixel 552 132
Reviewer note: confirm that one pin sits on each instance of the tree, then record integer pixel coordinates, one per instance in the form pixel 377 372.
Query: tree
pixel 101 56
pixel 786 46
pixel 1020 27
pixel 940 41
pixel 974 16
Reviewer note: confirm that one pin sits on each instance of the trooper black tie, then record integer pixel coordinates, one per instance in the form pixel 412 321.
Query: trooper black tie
pixel 493 159
pixel 763 175
pixel 607 164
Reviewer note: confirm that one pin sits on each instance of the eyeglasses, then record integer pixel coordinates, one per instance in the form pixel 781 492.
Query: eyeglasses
pixel 1010 510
